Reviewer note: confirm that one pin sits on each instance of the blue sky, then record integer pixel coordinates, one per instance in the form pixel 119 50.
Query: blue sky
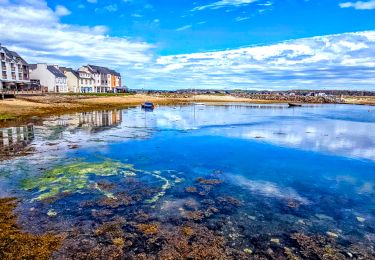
pixel 249 44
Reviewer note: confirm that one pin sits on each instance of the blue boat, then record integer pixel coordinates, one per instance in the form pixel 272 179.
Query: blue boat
pixel 148 105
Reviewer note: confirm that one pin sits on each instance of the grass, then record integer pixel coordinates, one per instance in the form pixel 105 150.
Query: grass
pixel 4 117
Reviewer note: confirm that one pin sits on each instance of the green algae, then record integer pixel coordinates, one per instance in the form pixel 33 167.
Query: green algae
pixel 164 187
pixel 73 178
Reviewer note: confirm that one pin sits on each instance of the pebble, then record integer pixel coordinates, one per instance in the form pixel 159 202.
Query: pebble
pixel 323 217
pixel 248 251
pixel 331 234
pixel 52 213
pixel 361 219
pixel 275 240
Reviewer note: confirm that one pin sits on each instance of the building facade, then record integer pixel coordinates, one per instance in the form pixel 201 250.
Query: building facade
pixel 50 77
pixel 14 70
pixel 105 80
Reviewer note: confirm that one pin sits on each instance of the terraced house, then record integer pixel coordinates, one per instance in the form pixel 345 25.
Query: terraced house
pixel 50 77
pixel 105 80
pixel 14 70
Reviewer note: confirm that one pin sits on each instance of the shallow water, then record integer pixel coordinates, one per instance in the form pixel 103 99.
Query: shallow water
pixel 260 180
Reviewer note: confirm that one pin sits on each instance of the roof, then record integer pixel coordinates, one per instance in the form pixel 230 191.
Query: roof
pixel 102 70
pixel 55 71
pixel 74 72
pixel 32 66
pixel 13 55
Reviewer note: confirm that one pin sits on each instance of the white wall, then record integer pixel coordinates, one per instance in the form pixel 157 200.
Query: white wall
pixel 47 79
pixel 72 82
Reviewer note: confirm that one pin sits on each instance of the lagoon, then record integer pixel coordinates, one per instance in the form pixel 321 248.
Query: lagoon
pixel 233 181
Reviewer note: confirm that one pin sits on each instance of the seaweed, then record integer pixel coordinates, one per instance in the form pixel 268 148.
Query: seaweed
pixel 16 244
pixel 74 178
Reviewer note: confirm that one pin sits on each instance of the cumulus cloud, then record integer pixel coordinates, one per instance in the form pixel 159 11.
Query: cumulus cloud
pixel 54 42
pixel 333 61
pixel 359 5
pixel 224 3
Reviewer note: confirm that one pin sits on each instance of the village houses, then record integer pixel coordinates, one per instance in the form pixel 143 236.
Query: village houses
pixel 14 70
pixel 50 77
pixel 17 74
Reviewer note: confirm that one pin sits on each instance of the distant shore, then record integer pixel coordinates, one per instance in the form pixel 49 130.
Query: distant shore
pixel 24 107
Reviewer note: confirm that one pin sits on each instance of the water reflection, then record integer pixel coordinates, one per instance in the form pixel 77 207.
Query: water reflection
pixel 98 120
pixel 132 184
pixel 341 130
pixel 14 140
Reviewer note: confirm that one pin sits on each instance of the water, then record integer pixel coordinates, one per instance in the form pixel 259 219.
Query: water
pixel 232 181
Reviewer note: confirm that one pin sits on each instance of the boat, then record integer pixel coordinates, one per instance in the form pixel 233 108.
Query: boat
pixel 148 105
pixel 294 105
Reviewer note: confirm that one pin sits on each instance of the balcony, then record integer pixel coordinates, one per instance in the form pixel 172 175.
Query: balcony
pixel 4 68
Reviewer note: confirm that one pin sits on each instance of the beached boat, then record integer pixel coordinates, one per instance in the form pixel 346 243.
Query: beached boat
pixel 148 105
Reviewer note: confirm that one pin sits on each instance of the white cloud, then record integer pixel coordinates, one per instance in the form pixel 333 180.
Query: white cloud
pixel 333 61
pixel 111 8
pixel 62 11
pixel 224 3
pixel 183 28
pixel 54 42
pixel 359 5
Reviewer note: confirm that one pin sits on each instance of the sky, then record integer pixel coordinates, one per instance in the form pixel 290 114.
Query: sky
pixel 208 44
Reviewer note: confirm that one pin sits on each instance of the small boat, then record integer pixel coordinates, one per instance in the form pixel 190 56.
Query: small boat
pixel 294 105
pixel 148 105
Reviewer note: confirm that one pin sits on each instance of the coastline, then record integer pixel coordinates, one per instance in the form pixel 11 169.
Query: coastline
pixel 25 107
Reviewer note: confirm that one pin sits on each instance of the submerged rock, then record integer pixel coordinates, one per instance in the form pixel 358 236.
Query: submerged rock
pixel 360 219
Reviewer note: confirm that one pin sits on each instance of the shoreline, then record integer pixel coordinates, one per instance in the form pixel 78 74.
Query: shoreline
pixel 23 108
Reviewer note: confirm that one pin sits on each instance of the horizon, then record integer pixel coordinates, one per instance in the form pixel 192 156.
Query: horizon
pixel 251 45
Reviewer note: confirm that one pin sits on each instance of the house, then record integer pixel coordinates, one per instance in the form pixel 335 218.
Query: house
pixel 72 79
pixel 14 70
pixel 86 82
pixel 50 77
pixel 105 80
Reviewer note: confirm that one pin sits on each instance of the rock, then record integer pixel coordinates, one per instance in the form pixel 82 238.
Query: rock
pixel 331 234
pixel 52 213
pixel 275 240
pixel 361 219
pixel 324 217
pixel 248 251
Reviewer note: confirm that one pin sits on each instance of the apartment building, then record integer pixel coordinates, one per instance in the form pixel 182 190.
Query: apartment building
pixel 14 70
pixel 50 77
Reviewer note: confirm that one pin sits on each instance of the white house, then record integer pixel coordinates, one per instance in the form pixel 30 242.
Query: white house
pixel 105 80
pixel 86 82
pixel 14 70
pixel 50 77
